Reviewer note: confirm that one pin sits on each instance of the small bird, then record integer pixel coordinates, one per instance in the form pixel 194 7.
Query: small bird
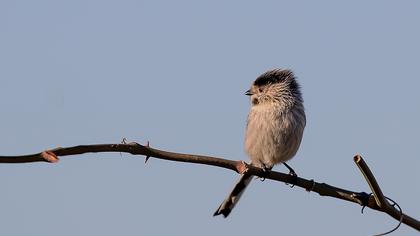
pixel 274 127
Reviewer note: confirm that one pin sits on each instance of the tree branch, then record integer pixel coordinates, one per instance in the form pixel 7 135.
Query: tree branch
pixel 377 201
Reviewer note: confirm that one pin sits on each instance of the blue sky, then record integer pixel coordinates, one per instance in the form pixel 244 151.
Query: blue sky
pixel 174 73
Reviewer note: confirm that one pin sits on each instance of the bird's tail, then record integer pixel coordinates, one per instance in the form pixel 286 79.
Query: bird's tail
pixel 230 201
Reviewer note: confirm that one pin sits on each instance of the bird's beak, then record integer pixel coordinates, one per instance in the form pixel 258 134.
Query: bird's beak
pixel 248 93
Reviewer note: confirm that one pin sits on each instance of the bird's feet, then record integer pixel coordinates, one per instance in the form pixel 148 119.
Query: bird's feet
pixel 266 171
pixel 293 174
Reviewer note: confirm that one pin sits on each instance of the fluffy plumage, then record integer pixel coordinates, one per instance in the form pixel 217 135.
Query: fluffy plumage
pixel 274 127
pixel 276 120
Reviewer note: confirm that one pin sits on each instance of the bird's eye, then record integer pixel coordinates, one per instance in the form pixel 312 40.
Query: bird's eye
pixel 260 89
pixel 254 101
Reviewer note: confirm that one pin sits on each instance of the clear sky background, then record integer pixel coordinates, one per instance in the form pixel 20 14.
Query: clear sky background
pixel 175 73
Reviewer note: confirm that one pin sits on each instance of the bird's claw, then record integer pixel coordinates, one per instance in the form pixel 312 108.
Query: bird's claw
pixel 266 170
pixel 294 178
pixel 293 174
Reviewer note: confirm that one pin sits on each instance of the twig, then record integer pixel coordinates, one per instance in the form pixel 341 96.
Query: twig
pixel 364 199
pixel 380 198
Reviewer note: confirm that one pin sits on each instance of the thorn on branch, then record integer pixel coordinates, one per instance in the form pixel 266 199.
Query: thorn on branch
pixel 147 157
pixel 123 141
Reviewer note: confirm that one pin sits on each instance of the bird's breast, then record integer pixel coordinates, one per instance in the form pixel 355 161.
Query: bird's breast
pixel 272 135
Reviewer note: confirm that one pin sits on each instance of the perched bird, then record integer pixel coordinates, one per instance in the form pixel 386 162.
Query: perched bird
pixel 274 127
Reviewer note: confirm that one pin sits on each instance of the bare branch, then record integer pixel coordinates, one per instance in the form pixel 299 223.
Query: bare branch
pixel 377 201
pixel 380 198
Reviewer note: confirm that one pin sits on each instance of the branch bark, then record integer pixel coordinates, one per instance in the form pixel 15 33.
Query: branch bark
pixel 376 201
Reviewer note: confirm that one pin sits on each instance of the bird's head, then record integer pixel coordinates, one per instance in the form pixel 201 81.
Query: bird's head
pixel 277 86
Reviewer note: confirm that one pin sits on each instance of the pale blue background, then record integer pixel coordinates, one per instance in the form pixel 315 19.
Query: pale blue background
pixel 174 73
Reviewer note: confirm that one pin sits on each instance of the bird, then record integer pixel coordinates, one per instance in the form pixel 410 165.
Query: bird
pixel 274 127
